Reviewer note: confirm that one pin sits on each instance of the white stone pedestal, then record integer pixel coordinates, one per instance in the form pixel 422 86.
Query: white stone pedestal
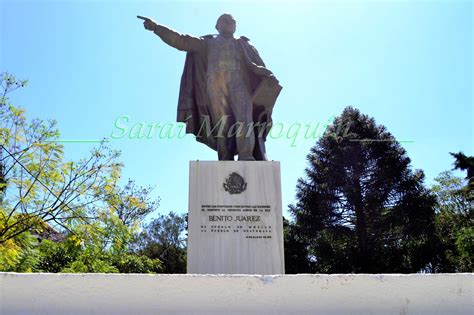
pixel 235 218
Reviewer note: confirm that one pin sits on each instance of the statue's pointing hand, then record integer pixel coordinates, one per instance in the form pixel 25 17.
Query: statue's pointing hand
pixel 148 23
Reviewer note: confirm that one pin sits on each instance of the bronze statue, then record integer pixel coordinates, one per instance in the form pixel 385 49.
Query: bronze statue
pixel 227 94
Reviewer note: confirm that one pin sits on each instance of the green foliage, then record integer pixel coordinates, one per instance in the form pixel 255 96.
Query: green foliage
pixel 164 239
pixel 19 254
pixel 94 219
pixel 91 260
pixel 131 203
pixel 297 257
pixel 39 188
pixel 75 256
pixel 55 256
pixel 466 163
pixel 465 246
pixel 28 258
pixel 360 207
pixel 454 223
pixel 129 263
pixel 101 245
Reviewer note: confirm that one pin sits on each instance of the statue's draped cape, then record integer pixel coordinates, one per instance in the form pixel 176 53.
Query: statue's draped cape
pixel 194 105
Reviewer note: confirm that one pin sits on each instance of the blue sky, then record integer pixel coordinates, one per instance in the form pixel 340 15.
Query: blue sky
pixel 408 64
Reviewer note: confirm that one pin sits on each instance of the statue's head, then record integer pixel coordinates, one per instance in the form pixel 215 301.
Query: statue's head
pixel 226 24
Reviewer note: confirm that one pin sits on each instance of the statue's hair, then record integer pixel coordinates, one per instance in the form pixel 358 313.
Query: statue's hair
pixel 222 16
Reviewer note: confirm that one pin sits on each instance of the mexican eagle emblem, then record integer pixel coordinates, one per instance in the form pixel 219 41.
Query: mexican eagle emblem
pixel 235 184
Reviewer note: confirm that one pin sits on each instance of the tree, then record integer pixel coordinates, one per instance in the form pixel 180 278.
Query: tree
pixel 297 257
pixel 360 207
pixel 164 238
pixel 56 256
pixel 99 248
pixel 19 254
pixel 137 264
pixel 455 225
pixel 132 203
pixel 466 163
pixel 37 185
pixel 101 245
pixel 80 201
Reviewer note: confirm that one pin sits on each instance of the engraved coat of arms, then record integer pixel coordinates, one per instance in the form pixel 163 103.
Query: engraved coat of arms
pixel 235 184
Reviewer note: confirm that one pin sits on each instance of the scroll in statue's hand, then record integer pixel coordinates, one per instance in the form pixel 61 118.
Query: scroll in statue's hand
pixel 149 24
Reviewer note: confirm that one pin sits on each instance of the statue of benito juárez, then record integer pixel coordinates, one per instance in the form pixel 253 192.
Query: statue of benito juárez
pixel 227 94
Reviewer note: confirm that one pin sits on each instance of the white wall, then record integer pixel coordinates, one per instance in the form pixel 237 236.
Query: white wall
pixel 235 294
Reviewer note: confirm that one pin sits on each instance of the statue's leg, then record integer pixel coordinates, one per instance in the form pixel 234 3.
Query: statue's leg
pixel 260 129
pixel 221 114
pixel 223 151
pixel 259 151
pixel 241 103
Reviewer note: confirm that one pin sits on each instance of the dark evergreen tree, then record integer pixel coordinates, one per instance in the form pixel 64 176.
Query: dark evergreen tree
pixel 360 207
pixel 297 259
pixel 466 163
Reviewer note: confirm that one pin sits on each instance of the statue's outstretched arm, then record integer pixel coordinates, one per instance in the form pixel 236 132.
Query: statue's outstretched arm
pixel 174 39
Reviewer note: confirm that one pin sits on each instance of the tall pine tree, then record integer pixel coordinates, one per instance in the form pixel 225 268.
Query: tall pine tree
pixel 360 207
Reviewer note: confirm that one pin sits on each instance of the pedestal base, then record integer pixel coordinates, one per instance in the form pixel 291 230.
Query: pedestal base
pixel 235 221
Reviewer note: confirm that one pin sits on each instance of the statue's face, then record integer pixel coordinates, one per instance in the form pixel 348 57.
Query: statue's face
pixel 226 25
